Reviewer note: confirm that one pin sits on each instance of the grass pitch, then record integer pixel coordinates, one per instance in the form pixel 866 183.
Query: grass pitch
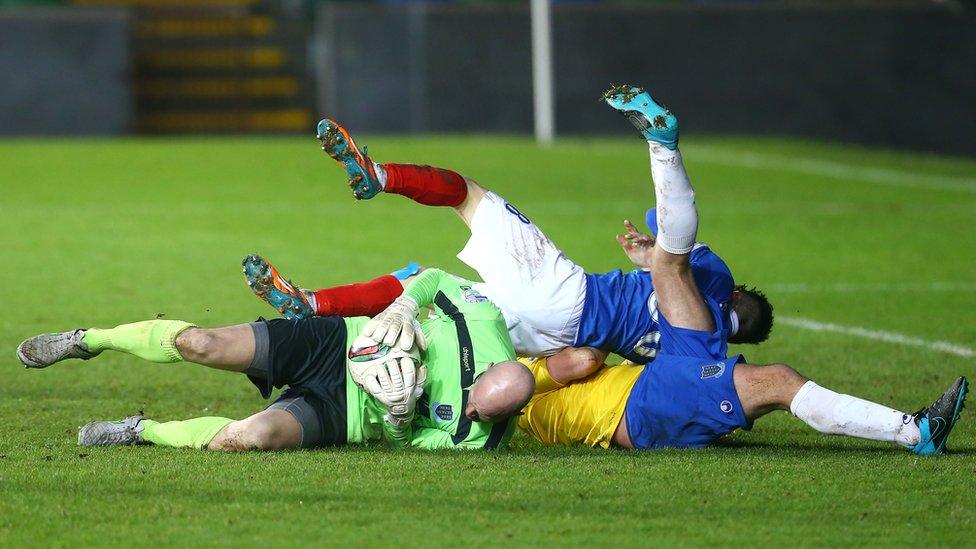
pixel 96 233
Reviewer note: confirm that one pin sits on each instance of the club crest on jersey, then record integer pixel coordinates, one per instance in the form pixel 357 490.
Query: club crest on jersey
pixel 442 412
pixel 713 370
pixel 472 296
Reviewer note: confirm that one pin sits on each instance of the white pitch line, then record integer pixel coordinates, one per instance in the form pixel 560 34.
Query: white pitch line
pixel 833 169
pixel 878 335
pixel 851 287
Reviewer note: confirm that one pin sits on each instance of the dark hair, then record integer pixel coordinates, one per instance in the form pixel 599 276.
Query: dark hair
pixel 755 314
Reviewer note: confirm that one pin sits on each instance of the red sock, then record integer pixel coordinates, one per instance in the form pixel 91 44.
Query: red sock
pixel 364 299
pixel 427 185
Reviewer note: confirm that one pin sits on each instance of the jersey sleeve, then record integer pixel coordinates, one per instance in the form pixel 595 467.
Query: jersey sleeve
pixel 651 219
pixel 470 435
pixel 712 276
pixel 481 436
pixel 424 287
pixel 433 286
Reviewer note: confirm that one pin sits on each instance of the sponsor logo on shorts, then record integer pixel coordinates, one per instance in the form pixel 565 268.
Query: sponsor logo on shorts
pixel 442 412
pixel 515 211
pixel 726 406
pixel 713 370
pixel 472 296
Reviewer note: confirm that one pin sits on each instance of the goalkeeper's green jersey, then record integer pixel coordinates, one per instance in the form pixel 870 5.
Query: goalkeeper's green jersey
pixel 465 334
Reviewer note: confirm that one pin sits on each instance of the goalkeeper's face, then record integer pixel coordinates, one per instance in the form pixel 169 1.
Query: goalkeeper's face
pixel 501 392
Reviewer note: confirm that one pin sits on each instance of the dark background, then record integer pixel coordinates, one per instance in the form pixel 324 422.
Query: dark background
pixel 897 75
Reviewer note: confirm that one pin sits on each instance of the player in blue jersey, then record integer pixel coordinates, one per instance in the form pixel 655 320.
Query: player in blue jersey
pixel 548 301
pixel 692 393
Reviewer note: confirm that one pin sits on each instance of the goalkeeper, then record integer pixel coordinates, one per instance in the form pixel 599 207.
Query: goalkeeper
pixel 473 385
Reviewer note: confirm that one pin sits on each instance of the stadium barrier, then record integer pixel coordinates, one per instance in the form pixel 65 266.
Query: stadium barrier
pixel 888 74
pixel 64 71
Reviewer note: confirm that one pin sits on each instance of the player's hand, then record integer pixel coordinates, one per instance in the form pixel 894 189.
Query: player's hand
pixel 397 325
pixel 400 411
pixel 391 381
pixel 637 245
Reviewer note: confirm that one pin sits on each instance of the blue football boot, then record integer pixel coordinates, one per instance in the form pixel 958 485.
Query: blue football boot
pixel 654 122
pixel 337 142
pixel 936 421
pixel 412 269
pixel 276 290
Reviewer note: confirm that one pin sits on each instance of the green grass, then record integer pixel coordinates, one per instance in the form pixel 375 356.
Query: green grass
pixel 104 232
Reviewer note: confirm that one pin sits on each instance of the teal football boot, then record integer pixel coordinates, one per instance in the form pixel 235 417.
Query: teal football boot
pixel 275 290
pixel 936 421
pixel 654 122
pixel 337 142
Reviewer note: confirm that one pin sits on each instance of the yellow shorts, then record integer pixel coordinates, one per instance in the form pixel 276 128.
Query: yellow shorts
pixel 586 411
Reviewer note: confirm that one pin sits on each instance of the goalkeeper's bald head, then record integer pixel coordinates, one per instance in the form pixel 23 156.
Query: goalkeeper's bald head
pixel 501 392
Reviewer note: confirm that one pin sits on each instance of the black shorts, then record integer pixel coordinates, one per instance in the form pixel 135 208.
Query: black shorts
pixel 309 358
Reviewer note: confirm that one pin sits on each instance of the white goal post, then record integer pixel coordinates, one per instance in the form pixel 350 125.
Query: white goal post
pixel 543 97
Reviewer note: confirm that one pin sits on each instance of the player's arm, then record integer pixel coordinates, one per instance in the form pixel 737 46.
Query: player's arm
pixel 423 289
pixel 397 324
pixel 436 439
pixel 398 436
pixel 573 363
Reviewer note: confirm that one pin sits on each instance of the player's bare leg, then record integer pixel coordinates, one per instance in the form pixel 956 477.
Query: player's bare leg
pixel 474 197
pixel 678 297
pixel 764 389
pixel 270 429
pixel 163 341
pixel 229 348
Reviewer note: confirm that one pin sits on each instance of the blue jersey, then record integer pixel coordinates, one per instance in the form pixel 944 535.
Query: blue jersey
pixel 620 311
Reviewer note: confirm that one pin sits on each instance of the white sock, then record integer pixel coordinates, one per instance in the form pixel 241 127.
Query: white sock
pixel 677 218
pixel 836 414
pixel 380 174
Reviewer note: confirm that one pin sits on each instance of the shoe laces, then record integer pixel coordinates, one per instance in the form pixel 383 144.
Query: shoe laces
pixel 920 413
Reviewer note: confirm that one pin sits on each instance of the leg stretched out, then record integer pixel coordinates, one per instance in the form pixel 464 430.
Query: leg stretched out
pixel 162 341
pixel 290 422
pixel 764 389
pixel 540 291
